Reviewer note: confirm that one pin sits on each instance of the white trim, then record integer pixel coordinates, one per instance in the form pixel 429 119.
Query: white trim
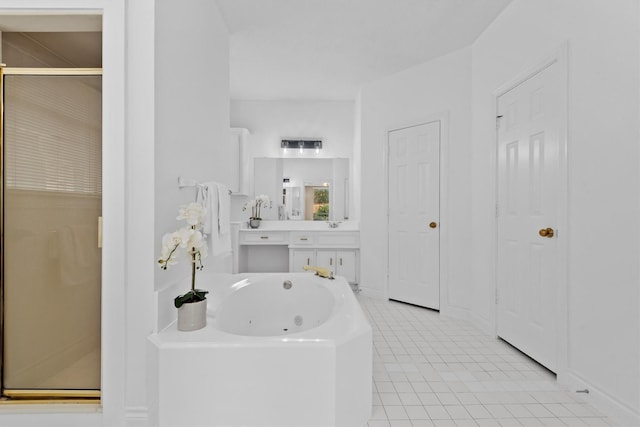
pixel 114 253
pixel 619 412
pixel 456 312
pixel 443 118
pixel 373 293
pixel 136 416
pixel 482 323
pixel 559 57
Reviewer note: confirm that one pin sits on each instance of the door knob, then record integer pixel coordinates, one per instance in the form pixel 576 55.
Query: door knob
pixel 546 232
pixel 433 225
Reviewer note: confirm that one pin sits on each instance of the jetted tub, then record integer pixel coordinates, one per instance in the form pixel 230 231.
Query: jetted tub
pixel 279 349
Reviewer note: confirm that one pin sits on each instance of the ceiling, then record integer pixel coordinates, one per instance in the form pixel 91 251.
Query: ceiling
pixel 327 49
pixel 311 49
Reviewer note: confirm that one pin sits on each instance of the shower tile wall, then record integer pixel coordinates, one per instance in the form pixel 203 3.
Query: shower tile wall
pixel 430 370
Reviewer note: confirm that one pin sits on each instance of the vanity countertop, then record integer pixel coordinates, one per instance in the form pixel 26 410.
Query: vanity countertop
pixel 300 226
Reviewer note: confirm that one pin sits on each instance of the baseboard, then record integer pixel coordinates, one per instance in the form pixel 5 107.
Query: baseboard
pixel 481 323
pixel 372 293
pixel 136 416
pixel 619 412
pixel 455 312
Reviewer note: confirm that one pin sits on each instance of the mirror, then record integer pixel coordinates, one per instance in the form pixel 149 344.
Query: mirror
pixel 303 189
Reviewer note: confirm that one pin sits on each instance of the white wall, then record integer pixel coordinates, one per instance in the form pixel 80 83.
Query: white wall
pixel 603 312
pixel 191 111
pixel 270 121
pixel 140 201
pixel 191 128
pixel 442 86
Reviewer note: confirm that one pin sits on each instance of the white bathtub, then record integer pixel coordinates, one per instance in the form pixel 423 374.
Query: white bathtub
pixel 269 356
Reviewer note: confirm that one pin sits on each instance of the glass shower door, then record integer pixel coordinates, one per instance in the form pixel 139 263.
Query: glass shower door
pixel 51 205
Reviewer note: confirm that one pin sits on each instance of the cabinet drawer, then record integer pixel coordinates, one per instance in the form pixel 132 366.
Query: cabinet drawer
pixel 337 239
pixel 301 239
pixel 263 238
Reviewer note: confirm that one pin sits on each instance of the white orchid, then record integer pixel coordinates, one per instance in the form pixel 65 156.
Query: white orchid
pixel 256 204
pixel 190 240
pixel 263 199
pixel 193 213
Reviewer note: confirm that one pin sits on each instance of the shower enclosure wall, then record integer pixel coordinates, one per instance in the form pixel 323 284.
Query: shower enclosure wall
pixel 51 208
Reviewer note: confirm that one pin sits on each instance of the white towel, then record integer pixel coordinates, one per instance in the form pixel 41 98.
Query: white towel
pixel 79 258
pixel 224 210
pixel 215 199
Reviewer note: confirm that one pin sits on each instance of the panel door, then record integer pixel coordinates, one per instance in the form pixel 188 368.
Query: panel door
pixel 346 265
pixel 51 256
pixel 528 182
pixel 301 258
pixel 414 215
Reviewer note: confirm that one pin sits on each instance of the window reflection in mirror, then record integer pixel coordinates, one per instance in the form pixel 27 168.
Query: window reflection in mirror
pixel 317 198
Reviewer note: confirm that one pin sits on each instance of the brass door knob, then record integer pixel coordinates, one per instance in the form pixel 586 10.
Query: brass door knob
pixel 433 225
pixel 546 232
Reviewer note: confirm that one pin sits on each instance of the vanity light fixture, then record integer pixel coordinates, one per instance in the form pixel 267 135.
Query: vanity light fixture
pixel 301 145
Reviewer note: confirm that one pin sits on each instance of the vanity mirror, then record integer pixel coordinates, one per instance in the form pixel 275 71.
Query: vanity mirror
pixel 303 188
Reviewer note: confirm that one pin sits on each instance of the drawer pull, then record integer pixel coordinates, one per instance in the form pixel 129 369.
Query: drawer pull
pixel 304 238
pixel 340 261
pixel 264 237
pixel 308 261
pixel 330 261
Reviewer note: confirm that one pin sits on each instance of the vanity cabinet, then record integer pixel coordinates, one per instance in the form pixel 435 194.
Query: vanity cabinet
pixel 262 250
pixel 264 238
pixel 342 262
pixel 335 250
pixel 299 258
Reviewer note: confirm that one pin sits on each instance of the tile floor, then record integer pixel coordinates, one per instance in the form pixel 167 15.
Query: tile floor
pixel 431 370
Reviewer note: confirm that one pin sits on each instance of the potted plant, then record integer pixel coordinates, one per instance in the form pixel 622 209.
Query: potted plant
pixel 192 306
pixel 255 205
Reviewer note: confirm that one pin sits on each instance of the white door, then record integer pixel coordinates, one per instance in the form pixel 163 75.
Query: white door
pixel 326 259
pixel 301 258
pixel 414 215
pixel 528 190
pixel 346 265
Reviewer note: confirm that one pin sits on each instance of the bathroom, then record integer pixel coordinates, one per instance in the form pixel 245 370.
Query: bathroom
pixel 168 98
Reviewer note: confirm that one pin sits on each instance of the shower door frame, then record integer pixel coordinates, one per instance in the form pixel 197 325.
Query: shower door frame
pixel 33 395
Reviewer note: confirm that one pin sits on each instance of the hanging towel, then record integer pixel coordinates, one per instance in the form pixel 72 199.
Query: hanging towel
pixel 224 209
pixel 79 256
pixel 208 201
pixel 215 199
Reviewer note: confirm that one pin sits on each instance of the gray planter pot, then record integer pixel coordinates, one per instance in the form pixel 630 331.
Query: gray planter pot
pixel 254 223
pixel 192 316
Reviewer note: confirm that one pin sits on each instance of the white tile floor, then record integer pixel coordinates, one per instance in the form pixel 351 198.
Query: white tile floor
pixel 431 370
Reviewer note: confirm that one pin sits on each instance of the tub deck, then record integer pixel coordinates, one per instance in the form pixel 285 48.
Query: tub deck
pixel 318 377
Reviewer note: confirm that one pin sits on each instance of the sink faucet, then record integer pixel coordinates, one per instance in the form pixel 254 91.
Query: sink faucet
pixel 333 224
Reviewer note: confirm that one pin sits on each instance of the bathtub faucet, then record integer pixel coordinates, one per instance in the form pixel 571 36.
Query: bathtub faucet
pixel 320 271
pixel 333 224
